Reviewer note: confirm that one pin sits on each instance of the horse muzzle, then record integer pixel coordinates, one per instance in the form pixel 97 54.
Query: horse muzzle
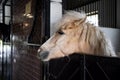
pixel 43 55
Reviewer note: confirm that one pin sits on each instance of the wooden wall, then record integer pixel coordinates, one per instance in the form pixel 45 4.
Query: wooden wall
pixel 26 65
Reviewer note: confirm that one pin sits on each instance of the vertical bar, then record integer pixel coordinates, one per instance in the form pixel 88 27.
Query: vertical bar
pixel 85 9
pixel 99 14
pixel 11 41
pixel 46 19
pixel 82 8
pixel 84 62
pixel 94 7
pixel 110 11
pixel 3 16
pixel 79 9
pixel 2 59
pixel 5 53
pixel 47 30
pixel 103 10
pixel 86 6
pixel 89 8
pixel 115 14
pixel 95 11
pixel 108 21
pixel 64 6
pixel 82 67
pixel 45 70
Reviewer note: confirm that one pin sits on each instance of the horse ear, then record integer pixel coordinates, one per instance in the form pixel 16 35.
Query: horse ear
pixel 80 21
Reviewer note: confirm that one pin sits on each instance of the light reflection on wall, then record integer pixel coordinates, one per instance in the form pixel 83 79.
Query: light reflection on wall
pixel 0 48
pixel 6 48
pixel 93 19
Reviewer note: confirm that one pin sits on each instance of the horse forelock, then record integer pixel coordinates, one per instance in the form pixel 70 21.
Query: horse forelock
pixel 69 17
pixel 73 15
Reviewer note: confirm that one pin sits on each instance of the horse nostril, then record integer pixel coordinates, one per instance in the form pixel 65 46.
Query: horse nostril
pixel 44 55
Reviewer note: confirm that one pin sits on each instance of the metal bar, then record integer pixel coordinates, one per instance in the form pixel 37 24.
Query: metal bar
pixel 84 65
pixel 103 71
pixel 2 60
pixel 30 44
pixel 11 41
pixel 3 17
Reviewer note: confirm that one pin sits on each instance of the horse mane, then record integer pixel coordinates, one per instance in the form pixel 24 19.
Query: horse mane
pixel 92 34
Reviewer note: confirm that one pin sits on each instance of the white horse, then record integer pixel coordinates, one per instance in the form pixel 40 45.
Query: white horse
pixel 75 35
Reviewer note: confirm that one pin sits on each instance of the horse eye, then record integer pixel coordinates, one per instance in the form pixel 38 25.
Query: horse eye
pixel 60 32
